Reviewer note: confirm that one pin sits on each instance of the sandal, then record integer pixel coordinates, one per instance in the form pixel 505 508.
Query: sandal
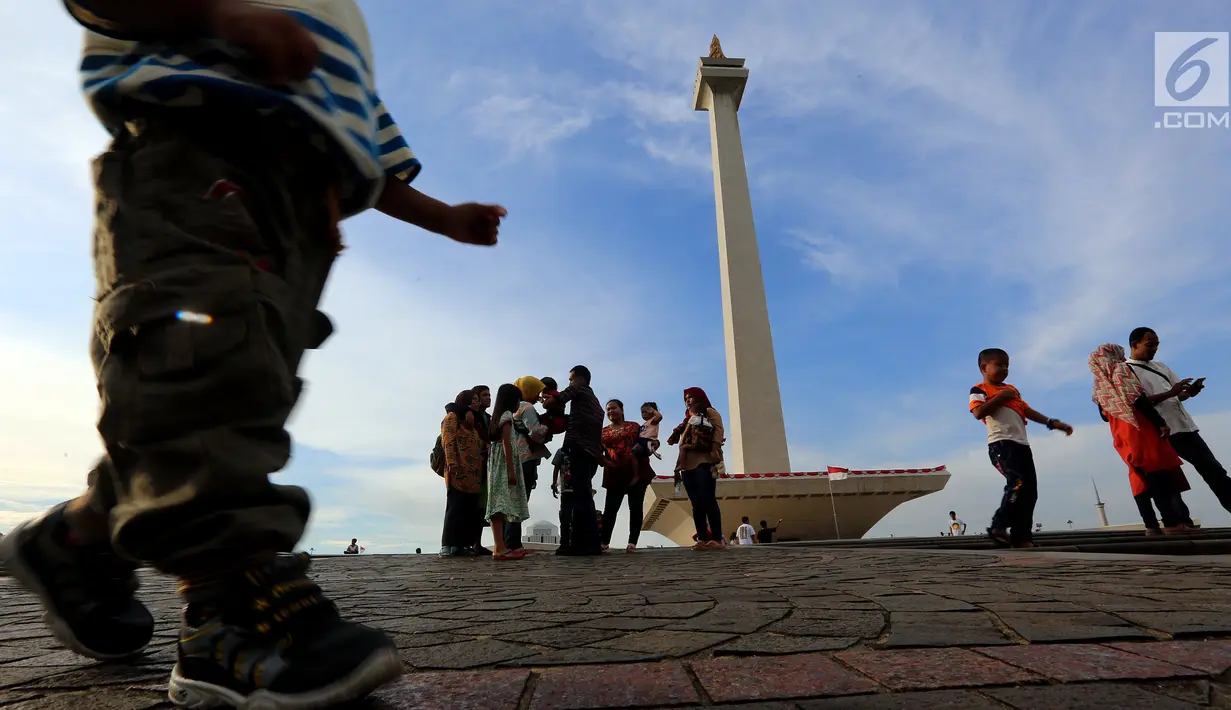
pixel 507 555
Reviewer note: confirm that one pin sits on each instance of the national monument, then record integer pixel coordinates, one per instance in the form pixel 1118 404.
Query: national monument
pixel 762 485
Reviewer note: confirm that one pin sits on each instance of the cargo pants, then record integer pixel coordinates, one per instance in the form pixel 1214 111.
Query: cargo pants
pixel 212 245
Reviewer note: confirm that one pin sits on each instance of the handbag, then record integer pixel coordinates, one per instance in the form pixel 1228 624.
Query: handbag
pixel 698 438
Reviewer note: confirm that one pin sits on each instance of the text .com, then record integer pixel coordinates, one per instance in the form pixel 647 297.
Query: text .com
pixel 1194 119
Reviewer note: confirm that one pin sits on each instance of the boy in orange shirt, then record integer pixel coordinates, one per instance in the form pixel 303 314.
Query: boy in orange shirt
pixel 1001 407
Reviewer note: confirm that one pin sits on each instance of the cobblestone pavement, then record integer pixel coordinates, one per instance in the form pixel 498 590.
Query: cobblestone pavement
pixel 754 628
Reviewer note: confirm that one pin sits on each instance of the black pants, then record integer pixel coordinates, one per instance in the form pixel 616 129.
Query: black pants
pixel 1193 449
pixel 584 532
pixel 1021 489
pixel 1160 487
pixel 1146 509
pixel 636 512
pixel 566 519
pixel 702 492
pixel 461 515
pixel 512 531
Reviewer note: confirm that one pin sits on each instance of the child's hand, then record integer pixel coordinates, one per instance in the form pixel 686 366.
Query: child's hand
pixel 555 491
pixel 283 49
pixel 472 223
pixel 1061 426
pixel 1004 395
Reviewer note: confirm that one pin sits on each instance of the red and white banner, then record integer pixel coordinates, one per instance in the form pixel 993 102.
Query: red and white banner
pixel 833 473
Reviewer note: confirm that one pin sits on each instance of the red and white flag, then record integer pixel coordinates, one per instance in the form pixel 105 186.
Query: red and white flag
pixel 838 474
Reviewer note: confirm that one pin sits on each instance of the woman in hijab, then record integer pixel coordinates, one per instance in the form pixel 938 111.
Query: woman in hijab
pixel 464 472
pixel 1138 433
pixel 526 422
pixel 700 437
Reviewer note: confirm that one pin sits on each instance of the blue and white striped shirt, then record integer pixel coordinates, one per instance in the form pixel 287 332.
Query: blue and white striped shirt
pixel 339 97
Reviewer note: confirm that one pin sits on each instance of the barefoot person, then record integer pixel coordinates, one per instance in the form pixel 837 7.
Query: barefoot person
pixel 242 134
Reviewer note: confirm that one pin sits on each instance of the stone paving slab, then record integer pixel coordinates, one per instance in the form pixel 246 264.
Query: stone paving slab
pixel 767 629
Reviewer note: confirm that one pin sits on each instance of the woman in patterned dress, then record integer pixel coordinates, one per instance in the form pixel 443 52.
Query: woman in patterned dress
pixel 506 486
pixel 624 474
pixel 464 471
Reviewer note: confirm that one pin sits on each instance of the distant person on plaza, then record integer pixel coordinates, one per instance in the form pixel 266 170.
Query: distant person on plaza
pixel 956 526
pixel 353 548
pixel 526 422
pixel 1138 432
pixel 700 437
pixel 745 534
pixel 1168 392
pixel 464 473
pixel 506 487
pixel 765 535
pixel 583 442
pixel 625 475
pixel 483 424
pixel 647 442
pixel 1001 408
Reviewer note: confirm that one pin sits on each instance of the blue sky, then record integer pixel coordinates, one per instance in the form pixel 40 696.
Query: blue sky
pixel 927 181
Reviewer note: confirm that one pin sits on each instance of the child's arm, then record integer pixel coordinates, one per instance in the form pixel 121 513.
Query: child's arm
pixel 469 223
pixel 1056 424
pixel 656 417
pixel 989 407
pixel 506 434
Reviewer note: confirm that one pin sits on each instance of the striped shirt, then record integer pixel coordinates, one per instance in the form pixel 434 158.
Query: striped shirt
pixel 339 98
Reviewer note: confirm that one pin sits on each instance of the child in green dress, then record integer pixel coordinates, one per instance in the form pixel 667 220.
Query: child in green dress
pixel 506 488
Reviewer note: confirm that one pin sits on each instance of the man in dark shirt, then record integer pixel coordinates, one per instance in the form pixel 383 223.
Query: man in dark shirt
pixel 583 441
pixel 766 534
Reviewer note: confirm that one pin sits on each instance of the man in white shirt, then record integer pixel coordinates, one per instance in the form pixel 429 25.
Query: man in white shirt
pixel 745 533
pixel 1167 393
pixel 956 526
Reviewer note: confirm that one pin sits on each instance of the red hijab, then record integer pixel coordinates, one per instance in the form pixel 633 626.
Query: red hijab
pixel 699 394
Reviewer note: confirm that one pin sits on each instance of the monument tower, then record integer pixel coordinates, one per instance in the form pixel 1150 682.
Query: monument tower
pixel 755 428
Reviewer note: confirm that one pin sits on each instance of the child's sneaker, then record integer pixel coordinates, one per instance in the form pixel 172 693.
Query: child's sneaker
pixel 87 591
pixel 269 639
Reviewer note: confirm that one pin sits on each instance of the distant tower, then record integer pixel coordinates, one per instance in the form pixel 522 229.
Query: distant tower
pixel 1098 505
pixel 755 425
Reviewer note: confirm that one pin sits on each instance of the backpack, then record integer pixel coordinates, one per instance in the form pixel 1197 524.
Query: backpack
pixel 437 459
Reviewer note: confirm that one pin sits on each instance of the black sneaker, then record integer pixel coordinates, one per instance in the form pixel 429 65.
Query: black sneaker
pixel 270 640
pixel 86 591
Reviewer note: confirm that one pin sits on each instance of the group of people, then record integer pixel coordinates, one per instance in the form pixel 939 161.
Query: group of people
pixel 1141 399
pixel 490 464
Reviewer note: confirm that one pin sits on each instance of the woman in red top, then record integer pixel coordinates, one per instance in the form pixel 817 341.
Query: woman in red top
pixel 1138 433
pixel 624 474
